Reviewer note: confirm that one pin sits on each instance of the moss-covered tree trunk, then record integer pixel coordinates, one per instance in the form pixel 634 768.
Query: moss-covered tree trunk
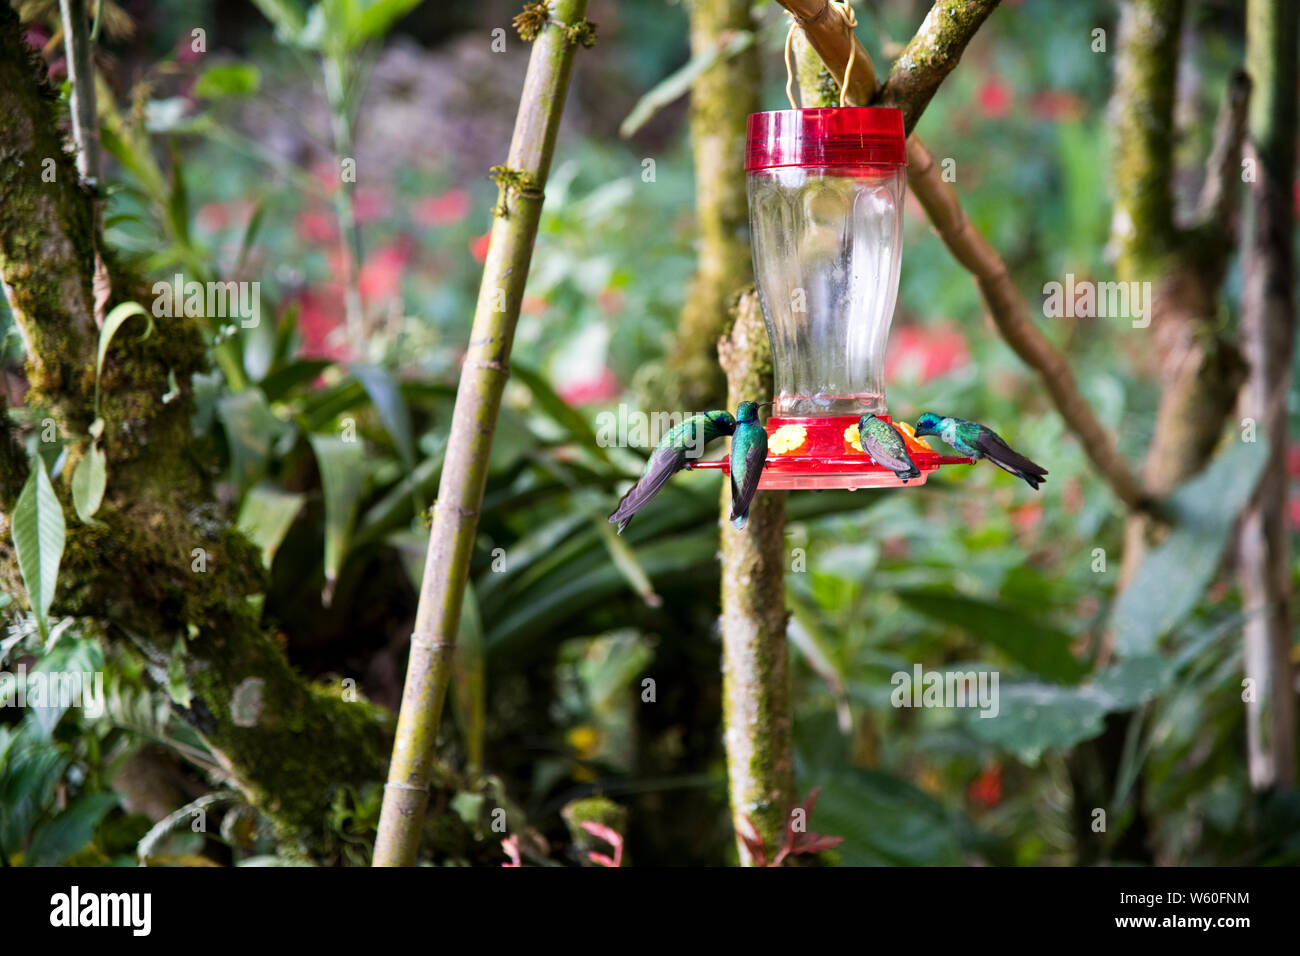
pixel 164 561
pixel 755 659
pixel 722 98
pixel 1268 322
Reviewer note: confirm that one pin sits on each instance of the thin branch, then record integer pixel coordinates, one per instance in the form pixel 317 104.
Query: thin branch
pixel 826 30
pixel 478 400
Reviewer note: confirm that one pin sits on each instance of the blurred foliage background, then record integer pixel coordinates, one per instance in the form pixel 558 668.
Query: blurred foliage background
pixel 224 166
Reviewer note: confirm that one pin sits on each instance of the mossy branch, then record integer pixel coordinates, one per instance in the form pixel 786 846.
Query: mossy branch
pixel 478 401
pixel 755 659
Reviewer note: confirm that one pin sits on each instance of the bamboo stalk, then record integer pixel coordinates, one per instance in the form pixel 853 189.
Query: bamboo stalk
pixel 755 658
pixel 1268 330
pixel 81 77
pixel 827 33
pixel 478 400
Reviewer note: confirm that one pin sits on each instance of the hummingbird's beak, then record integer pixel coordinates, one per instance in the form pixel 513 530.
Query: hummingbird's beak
pixel 766 404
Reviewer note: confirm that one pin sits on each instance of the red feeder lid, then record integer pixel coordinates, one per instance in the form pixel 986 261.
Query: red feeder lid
pixel 827 136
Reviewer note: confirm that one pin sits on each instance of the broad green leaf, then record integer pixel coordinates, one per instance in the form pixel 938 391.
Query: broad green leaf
pixel 1039 647
pixel 342 466
pixel 374 18
pixel 391 405
pixel 1173 577
pixel 88 483
pixel 38 533
pixel 68 680
pixel 228 79
pixel 1033 718
pixel 265 517
pixel 112 322
pixel 58 839
pixel 679 82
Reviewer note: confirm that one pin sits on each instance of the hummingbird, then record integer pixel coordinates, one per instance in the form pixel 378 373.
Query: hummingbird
pixel 669 457
pixel 748 455
pixel 883 443
pixel 979 441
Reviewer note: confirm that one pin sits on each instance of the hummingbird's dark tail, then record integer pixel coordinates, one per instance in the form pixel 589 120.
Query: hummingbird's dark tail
pixel 661 468
pixel 1009 460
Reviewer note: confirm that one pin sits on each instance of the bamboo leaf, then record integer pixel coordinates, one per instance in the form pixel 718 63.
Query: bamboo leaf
pixel 624 558
pixel 228 79
pixel 265 517
pixel 38 533
pixel 342 467
pixel 89 481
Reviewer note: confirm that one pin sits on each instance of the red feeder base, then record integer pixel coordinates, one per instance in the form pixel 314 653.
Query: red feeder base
pixel 825 460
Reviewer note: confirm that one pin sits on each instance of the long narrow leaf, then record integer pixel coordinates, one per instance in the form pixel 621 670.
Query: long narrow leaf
pixel 38 533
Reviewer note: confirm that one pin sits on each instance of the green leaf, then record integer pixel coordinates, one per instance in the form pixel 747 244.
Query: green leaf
pixel 374 18
pixel 564 414
pixel 55 841
pixel 391 405
pixel 342 466
pixel 1039 647
pixel 1173 577
pixel 178 687
pixel 252 432
pixel 265 517
pixel 38 533
pixel 624 558
pixel 88 483
pixel 228 79
pixel 112 322
pixel 1033 718
pixel 679 83
pixel 470 694
pixel 884 821
pixel 287 16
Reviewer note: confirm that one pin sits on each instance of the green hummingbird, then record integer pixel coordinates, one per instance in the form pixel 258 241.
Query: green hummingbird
pixel 883 443
pixel 979 441
pixel 669 457
pixel 748 455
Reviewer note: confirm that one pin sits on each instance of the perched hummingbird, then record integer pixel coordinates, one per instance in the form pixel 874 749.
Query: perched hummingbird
pixel 670 457
pixel 979 441
pixel 748 455
pixel 882 442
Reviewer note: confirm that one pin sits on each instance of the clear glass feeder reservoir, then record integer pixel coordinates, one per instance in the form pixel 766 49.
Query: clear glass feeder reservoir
pixel 826 190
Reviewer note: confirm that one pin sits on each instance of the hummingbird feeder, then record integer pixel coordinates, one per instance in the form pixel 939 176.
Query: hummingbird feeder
pixel 826 191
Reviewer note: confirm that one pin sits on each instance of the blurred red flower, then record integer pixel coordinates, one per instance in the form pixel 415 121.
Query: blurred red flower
pixel 371 205
pixel 926 351
pixel 316 225
pixel 320 313
pixel 445 210
pixel 994 98
pixel 478 248
pixel 603 388
pixel 1057 105
pixel 381 272
pixel 986 789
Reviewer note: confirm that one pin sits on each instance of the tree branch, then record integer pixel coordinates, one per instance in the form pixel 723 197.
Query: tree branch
pixel 826 30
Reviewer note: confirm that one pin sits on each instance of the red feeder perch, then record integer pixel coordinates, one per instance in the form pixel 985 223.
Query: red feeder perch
pixel 826 193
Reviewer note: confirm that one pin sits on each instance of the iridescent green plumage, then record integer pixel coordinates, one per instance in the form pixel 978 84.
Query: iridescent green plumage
pixel 979 441
pixel 748 455
pixel 678 445
pixel 883 443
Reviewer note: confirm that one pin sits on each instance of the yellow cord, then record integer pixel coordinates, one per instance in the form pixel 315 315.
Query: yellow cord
pixel 851 20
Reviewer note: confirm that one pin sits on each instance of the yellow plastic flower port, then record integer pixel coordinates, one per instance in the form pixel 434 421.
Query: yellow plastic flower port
pixel 787 439
pixel 852 438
